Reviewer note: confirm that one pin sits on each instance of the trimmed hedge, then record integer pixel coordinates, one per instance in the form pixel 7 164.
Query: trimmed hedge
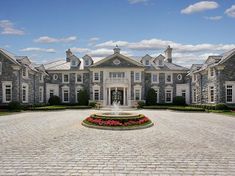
pixel 54 100
pixel 179 100
pixel 14 106
pixel 182 108
pixel 220 106
pixel 151 97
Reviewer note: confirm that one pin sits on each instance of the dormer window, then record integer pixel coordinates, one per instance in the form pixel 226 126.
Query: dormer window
pixel 73 63
pixel 41 77
pixel 147 63
pixel 87 62
pixel 25 72
pixel 211 72
pixel 160 62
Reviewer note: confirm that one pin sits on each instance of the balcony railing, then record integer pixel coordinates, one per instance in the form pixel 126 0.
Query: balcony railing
pixel 116 80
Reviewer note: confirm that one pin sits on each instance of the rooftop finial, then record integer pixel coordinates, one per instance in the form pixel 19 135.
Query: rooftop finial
pixel 116 49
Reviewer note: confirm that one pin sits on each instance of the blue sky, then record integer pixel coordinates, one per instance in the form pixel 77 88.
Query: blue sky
pixel 44 29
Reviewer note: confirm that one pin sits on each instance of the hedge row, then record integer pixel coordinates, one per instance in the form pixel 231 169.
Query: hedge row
pixel 211 107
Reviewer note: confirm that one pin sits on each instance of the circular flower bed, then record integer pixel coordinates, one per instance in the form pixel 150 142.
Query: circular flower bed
pixel 126 121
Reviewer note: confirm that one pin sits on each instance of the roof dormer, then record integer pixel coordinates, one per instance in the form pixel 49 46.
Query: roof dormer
pixel 146 60
pixel 159 60
pixel 87 60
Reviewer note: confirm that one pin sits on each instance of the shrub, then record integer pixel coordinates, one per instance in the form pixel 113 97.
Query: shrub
pixel 92 104
pixel 221 107
pixel 83 98
pixel 141 104
pixel 179 100
pixel 186 108
pixel 54 100
pixel 14 106
pixel 151 97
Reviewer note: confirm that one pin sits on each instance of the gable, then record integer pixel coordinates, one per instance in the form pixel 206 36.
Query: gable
pixel 117 61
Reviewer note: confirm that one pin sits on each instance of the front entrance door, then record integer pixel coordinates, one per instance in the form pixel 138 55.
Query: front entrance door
pixel 117 96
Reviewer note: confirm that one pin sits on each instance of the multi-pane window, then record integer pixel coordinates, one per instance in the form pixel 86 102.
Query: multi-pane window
pixel 154 78
pixel 41 77
pixel 7 92
pixel 25 72
pixel 40 94
pixel 194 95
pixel 73 63
pixel 65 78
pixel 137 76
pixel 79 78
pixel 160 62
pixel 0 68
pixel 51 92
pixel 24 93
pixel 65 95
pixel 86 62
pixel 168 96
pixel 96 94
pixel 147 62
pixel 96 76
pixel 212 94
pixel 116 74
pixel 168 78
pixel 229 93
pixel 137 94
pixel 212 72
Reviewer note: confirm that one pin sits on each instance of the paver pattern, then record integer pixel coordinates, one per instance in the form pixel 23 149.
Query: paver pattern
pixel 55 143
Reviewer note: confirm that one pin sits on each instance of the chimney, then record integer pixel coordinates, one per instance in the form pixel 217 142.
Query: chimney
pixel 168 54
pixel 116 50
pixel 68 55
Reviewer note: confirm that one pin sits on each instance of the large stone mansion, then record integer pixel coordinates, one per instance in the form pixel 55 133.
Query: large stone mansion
pixel 117 77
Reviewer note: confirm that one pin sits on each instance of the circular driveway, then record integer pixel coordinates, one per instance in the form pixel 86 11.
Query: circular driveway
pixel 55 143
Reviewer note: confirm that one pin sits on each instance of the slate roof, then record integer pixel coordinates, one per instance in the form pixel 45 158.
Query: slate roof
pixel 62 65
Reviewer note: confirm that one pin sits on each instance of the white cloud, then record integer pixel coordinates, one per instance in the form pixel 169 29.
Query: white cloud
pixel 112 44
pixel 158 44
pixel 213 18
pixel 231 11
pixel 200 6
pixel 93 41
pixel 34 49
pixel 99 52
pixel 46 39
pixel 137 1
pixel 8 28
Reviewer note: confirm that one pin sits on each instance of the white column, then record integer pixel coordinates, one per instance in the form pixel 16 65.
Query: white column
pixel 124 96
pixel 109 98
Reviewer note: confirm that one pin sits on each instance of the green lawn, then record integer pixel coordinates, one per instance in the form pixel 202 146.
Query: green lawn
pixel 2 113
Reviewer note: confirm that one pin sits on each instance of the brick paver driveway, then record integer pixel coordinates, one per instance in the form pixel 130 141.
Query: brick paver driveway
pixel 55 143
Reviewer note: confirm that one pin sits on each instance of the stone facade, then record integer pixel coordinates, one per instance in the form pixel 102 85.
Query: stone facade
pixel 117 77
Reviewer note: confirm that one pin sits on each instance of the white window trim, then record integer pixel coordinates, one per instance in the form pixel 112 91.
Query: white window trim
pixel 4 84
pixel 209 72
pixel 63 89
pixel 81 77
pixel 140 89
pixel 41 78
pixel 94 77
pixel 75 61
pixel 135 77
pixel 55 77
pixel 0 68
pixel 78 88
pixel 179 76
pixel 169 89
pixel 230 83
pixel 209 94
pixel 42 95
pixel 63 77
pixel 147 64
pixel 158 63
pixel 157 77
pixel 157 89
pixel 26 72
pixel 194 98
pixel 27 93
pixel 87 64
pixel 96 87
pixel 194 77
pixel 171 78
